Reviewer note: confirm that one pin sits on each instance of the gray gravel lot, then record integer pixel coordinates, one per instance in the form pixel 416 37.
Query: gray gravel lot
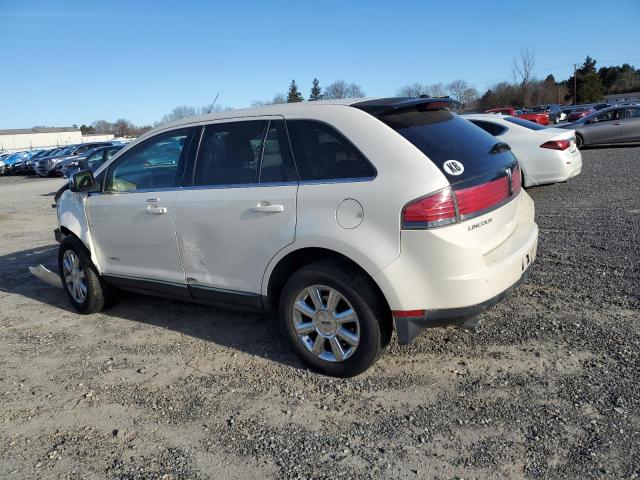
pixel 548 387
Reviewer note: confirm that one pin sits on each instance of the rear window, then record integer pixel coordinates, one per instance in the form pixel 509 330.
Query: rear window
pixel 442 136
pixel 525 123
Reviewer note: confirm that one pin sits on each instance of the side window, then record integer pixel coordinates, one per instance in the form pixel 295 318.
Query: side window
pixel 83 149
pixel 489 127
pixel 230 153
pixel 321 153
pixel 94 160
pixel 109 153
pixel 151 165
pixel 277 164
pixel 608 115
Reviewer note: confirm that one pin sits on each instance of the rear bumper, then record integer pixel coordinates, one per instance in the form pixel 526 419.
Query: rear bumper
pixel 408 328
pixel 449 278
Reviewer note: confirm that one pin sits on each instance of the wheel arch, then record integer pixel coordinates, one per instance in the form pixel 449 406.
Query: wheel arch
pixel 297 259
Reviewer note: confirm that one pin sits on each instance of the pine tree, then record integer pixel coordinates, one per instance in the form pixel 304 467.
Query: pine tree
pixel 316 91
pixel 588 82
pixel 294 94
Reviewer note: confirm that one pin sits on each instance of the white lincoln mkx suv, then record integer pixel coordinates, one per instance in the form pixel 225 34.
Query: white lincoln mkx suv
pixel 347 218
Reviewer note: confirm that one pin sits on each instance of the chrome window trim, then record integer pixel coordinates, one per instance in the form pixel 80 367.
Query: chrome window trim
pixel 337 180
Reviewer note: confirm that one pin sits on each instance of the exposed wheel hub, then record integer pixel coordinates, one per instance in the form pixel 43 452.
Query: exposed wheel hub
pixel 325 323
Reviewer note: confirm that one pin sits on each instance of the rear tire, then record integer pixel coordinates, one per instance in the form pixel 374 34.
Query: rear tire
pixel 85 288
pixel 333 317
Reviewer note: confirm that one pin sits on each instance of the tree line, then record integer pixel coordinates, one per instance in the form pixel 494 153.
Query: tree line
pixel 589 84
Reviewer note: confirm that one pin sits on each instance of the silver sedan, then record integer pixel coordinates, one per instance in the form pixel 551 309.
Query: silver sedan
pixel 610 125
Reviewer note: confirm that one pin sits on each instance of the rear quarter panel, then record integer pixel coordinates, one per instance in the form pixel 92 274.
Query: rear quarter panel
pixel 403 174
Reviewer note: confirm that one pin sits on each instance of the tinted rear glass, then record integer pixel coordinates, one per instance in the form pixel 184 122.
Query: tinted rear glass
pixel 442 135
pixel 321 153
pixel 525 123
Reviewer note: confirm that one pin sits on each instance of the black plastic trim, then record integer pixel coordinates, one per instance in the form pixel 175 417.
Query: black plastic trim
pixel 219 296
pixel 408 328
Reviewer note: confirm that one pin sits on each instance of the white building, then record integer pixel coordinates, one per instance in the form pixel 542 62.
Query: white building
pixel 32 138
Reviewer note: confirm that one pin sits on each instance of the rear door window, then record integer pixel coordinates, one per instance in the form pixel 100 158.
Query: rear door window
pixel 277 164
pixel 229 153
pixel 321 153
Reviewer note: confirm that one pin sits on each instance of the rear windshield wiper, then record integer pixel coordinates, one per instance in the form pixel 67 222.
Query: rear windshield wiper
pixel 499 148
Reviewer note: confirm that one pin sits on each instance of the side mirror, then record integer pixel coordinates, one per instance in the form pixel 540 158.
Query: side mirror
pixel 83 181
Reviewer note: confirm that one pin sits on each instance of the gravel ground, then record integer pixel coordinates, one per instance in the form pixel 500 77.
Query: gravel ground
pixel 154 389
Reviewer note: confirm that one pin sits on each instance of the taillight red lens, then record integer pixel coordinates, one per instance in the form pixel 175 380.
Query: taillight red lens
pixel 434 210
pixel 446 206
pixel 556 144
pixel 481 197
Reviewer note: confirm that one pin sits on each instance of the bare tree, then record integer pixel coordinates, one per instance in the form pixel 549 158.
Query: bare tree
pixel 436 90
pixel 457 88
pixel 102 126
pixel 342 89
pixel 414 90
pixel 522 71
pixel 278 98
pixel 469 96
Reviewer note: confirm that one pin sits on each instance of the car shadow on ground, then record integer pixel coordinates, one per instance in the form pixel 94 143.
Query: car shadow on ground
pixel 255 334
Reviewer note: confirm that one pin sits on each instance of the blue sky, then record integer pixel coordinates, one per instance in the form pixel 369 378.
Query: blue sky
pixel 66 62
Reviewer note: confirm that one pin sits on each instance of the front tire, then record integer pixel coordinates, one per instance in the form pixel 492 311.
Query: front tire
pixel 333 317
pixel 85 288
pixel 579 141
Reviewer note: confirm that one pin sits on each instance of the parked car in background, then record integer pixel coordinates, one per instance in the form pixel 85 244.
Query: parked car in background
pixel 537 117
pixel 579 112
pixel 346 216
pixel 609 125
pixel 12 162
pixel 53 165
pixel 93 160
pixel 553 111
pixel 26 165
pixel 546 155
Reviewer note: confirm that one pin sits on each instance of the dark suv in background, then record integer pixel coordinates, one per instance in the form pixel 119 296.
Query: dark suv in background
pixel 52 165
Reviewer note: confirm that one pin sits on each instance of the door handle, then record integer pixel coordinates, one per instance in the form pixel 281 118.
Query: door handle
pixel 265 207
pixel 156 210
pixel 616 123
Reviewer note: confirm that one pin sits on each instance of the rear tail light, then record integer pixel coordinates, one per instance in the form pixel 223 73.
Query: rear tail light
pixel 436 210
pixel 556 144
pixel 449 206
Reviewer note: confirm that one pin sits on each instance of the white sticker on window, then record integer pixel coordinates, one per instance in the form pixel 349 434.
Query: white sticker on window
pixel 453 167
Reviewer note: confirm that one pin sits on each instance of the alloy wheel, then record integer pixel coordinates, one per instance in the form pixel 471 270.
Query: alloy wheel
pixel 326 323
pixel 74 277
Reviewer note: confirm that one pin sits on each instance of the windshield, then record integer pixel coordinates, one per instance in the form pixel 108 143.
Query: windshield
pixel 525 123
pixel 66 151
pixel 538 109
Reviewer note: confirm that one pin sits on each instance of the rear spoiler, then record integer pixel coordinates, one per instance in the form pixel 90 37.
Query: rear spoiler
pixel 385 106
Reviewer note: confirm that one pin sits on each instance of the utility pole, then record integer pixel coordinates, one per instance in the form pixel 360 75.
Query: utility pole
pixel 575 83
